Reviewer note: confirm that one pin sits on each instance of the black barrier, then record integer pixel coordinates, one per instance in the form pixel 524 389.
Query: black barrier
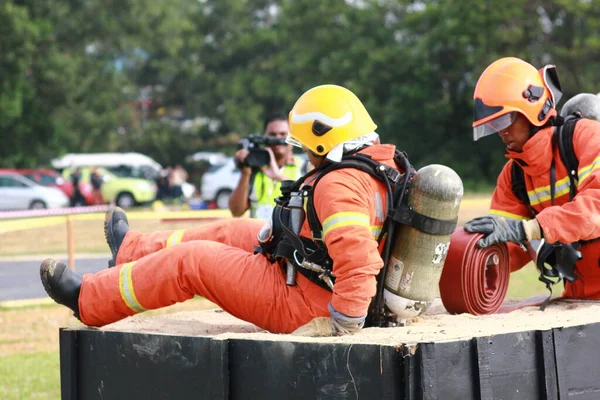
pixel 557 364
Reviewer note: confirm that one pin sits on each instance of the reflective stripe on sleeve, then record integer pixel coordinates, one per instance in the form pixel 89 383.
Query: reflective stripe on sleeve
pixel 541 194
pixel 376 231
pixel 587 170
pixel 345 219
pixel 175 238
pixel 126 288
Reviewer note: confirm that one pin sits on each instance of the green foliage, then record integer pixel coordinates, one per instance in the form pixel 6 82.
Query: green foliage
pixel 172 78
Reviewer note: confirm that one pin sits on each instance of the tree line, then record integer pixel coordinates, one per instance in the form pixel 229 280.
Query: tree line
pixel 169 78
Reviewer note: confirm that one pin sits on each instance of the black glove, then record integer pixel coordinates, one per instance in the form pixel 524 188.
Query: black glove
pixel 566 257
pixel 497 229
pixel 561 258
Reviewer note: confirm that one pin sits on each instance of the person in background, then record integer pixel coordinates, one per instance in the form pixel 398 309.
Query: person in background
pixel 178 177
pixel 163 185
pixel 96 181
pixel 76 197
pixel 257 189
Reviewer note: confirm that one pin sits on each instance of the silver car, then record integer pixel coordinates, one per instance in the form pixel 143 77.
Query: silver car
pixel 20 193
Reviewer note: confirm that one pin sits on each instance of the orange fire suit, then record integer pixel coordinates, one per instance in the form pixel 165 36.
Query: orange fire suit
pixel 565 221
pixel 216 261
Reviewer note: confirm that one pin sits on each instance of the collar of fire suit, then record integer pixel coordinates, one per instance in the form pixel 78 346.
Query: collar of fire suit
pixel 536 157
pixel 379 152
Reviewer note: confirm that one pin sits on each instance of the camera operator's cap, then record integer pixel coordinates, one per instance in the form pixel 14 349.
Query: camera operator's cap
pixel 326 116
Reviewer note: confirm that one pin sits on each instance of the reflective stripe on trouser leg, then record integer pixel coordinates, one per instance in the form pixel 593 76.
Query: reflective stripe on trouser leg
pixel 244 284
pixel 102 299
pixel 127 290
pixel 236 232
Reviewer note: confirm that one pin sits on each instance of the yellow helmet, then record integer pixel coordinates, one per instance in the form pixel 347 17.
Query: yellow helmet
pixel 326 116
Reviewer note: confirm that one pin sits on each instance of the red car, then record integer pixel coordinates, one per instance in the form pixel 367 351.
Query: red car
pixel 49 177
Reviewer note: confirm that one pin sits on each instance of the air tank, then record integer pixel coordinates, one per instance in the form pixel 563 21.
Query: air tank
pixel 417 257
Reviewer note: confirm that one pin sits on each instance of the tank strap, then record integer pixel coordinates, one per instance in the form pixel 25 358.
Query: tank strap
pixel 407 216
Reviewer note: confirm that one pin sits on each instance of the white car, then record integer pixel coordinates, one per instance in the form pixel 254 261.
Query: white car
pixel 20 193
pixel 219 181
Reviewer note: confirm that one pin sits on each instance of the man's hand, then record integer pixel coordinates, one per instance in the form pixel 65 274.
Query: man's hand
pixel 339 324
pixel 272 170
pixel 241 156
pixel 500 229
pixel 317 327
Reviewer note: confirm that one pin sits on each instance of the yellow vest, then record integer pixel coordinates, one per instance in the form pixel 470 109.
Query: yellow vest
pixel 264 190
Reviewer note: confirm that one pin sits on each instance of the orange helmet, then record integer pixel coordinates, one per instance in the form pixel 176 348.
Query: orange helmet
pixel 510 86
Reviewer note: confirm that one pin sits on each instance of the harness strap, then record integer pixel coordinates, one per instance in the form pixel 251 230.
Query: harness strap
pixel 564 137
pixel 552 181
pixel 517 180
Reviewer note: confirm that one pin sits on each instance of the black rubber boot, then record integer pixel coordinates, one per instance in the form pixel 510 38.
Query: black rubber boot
pixel 61 283
pixel 116 227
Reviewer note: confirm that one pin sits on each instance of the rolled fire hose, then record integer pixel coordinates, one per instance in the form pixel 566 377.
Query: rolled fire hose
pixel 474 280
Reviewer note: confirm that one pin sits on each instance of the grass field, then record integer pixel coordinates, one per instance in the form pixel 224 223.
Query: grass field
pixel 29 364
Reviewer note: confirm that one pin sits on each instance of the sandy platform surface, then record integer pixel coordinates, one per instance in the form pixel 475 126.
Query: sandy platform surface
pixel 436 325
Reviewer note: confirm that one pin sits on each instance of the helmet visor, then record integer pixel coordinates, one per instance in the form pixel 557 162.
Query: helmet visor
pixel 493 126
pixel 293 141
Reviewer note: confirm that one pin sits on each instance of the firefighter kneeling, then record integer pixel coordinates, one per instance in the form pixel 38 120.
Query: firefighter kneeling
pixel 314 276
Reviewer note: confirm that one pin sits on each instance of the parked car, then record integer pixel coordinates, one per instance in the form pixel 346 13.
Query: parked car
pixel 51 178
pixel 125 192
pixel 218 183
pixel 125 165
pixel 20 193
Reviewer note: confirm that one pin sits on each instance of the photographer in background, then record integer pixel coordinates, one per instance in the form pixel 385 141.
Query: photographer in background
pixel 258 187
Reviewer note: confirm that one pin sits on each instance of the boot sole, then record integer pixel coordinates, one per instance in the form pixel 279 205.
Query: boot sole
pixel 47 268
pixel 109 234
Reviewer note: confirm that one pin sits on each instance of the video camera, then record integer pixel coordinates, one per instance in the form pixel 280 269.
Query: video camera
pixel 257 155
